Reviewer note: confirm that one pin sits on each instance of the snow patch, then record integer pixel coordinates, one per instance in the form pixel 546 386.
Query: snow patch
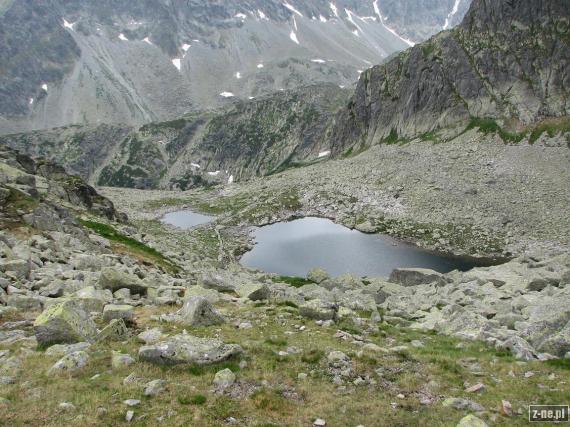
pixel 251 97
pixel 231 179
pixel 227 95
pixel 241 16
pixel 293 37
pixel 334 9
pixel 355 32
pixel 68 25
pixel 195 165
pixel 238 75
pixel 377 11
pixel 185 47
pixel 147 41
pixel 177 63
pixel 322 19
pixel 261 14
pixel 45 87
pixel 292 9
pixel 123 38
pixel 260 65
pixel 324 153
pixel 451 15
pixel 31 101
pixel 214 173
pixel 318 61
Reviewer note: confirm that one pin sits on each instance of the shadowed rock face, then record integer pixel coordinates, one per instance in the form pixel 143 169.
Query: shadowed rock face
pixel 80 61
pixel 506 60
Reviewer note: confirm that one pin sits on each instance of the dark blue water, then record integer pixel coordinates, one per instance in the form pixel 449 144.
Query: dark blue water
pixel 185 219
pixel 294 248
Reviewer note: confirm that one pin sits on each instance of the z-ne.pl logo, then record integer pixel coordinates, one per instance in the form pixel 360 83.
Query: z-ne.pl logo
pixel 548 413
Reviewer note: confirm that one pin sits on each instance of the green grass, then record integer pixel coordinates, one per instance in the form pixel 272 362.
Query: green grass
pixel 488 126
pixel 551 127
pixel 131 244
pixel 296 282
pixel 197 399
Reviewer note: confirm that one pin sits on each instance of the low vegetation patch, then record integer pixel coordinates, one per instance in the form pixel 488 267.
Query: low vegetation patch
pixel 133 246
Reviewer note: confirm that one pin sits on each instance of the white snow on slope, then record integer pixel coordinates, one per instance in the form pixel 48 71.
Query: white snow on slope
pixel 241 16
pixel 177 63
pixel 377 11
pixel 324 153
pixel 451 14
pixel 185 47
pixel 292 9
pixel 322 18
pixel 260 65
pixel 195 165
pixel 123 38
pixel 214 173
pixel 238 75
pixel 147 40
pixel 226 94
pixel 231 179
pixel 334 9
pixel 293 37
pixel 45 87
pixel 68 24
pixel 261 14
pixel 31 101
pixel 318 61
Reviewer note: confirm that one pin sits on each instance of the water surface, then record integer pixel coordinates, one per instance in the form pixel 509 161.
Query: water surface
pixel 294 248
pixel 185 219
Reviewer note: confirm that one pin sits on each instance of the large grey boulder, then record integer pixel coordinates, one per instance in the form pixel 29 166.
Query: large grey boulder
pixel 217 282
pixel 197 311
pixel 253 291
pixel 188 349
pixel 114 280
pixel 124 312
pixel 318 310
pixel 318 275
pixel 64 323
pixel 416 276
pixel 69 363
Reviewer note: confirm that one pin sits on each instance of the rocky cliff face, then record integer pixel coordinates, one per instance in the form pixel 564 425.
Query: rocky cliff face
pixel 249 138
pixel 79 62
pixel 507 61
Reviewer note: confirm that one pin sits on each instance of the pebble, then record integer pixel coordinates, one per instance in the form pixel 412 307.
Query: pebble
pixel 319 422
pixel 130 415
pixel 132 402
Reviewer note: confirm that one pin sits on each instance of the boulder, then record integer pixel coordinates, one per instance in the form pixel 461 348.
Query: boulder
pixel 124 312
pixel 197 311
pixel 462 404
pixel 121 360
pixel 64 323
pixel 150 336
pixel 188 349
pixel 154 388
pixel 198 291
pixel 318 310
pixel 114 280
pixel 116 330
pixel 557 344
pixel 18 268
pixel 61 350
pixel 471 421
pixel 217 282
pixel 416 277
pixel 223 379
pixel 253 291
pixel 318 275
pixel 26 302
pixel 69 363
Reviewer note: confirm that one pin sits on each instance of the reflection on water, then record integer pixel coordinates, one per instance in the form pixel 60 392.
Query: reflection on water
pixel 293 248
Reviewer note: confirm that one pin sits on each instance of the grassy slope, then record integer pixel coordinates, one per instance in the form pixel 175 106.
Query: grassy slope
pixel 286 400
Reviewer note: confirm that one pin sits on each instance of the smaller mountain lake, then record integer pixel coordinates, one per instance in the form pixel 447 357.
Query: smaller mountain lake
pixel 185 219
pixel 294 248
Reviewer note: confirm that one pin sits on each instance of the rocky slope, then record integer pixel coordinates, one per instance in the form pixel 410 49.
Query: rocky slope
pixel 249 138
pixel 497 64
pixel 103 321
pixel 117 62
